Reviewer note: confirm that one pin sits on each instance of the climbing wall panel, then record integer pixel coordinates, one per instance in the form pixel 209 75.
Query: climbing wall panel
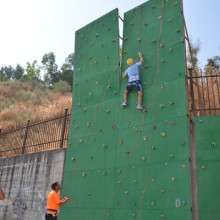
pixel 208 163
pixel 122 163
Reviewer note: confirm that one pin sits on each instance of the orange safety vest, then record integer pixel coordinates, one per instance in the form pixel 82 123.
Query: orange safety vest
pixel 52 202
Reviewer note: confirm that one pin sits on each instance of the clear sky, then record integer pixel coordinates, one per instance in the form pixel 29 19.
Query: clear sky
pixel 31 28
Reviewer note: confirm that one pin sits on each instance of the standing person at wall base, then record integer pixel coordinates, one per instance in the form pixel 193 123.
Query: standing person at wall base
pixel 2 195
pixel 54 202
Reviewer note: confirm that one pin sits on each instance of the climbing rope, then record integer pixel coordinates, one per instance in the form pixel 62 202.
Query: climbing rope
pixel 135 144
pixel 76 205
pixel 152 138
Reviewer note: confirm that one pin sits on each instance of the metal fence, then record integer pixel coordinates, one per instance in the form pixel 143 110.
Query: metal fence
pixel 36 136
pixel 204 94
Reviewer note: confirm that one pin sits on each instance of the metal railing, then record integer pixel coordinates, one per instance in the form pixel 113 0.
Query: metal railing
pixel 204 94
pixel 36 136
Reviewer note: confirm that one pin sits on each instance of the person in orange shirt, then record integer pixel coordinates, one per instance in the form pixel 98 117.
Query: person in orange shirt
pixel 54 202
pixel 2 195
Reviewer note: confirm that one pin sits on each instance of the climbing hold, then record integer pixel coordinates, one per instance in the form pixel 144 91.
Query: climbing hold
pixel 119 171
pixel 170 19
pixel 145 83
pixel 86 40
pixel 101 45
pixel 162 61
pixel 182 143
pixel 113 126
pixel 203 167
pixel 99 129
pixel 73 158
pixel 134 181
pixel 154 126
pixel 108 29
pixel 180 73
pixel 153 180
pixel 161 87
pixel 162 216
pixel 117 203
pixel 108 87
pixel 87 124
pixel 80 141
pixel 127 151
pixel 213 144
pixel 173 178
pixel 120 142
pixel 96 34
pixel 85 80
pixel 146 66
pixel 109 214
pixel 82 36
pixel 184 165
pixel 170 50
pixel 184 202
pixel 104 173
pixel 107 57
pixel 76 84
pixel 161 45
pixel 91 157
pixel 177 30
pixel 107 110
pixel 162 190
pixel 89 194
pixel 125 38
pixel 126 192
pixel 105 146
pixel 125 52
pixel 172 122
pixel 90 43
pixel 134 203
pixel 166 164
pixel 153 148
pixel 90 57
pixel 114 18
pixel 76 126
pixel 145 138
pixel 171 103
pixel 84 109
pixel 96 83
pixel 175 3
pixel 162 105
pixel 139 39
pixel 95 61
pixel 153 41
pixel 132 23
pixel 128 123
pixel 93 139
pixel 84 174
pixel 200 121
pixel 113 40
pixel 153 203
pixel 171 156
pixel 153 6
pixel 159 17
pixel 145 23
pixel 90 93
pixel 133 214
pixel 163 134
pixel 143 158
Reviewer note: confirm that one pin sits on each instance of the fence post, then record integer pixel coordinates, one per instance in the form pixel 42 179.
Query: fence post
pixel 25 136
pixel 191 89
pixel 63 128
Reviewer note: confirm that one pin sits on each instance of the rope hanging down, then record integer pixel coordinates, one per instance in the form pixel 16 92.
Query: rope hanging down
pixel 157 62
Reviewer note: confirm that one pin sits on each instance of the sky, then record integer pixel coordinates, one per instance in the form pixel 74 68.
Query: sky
pixel 31 28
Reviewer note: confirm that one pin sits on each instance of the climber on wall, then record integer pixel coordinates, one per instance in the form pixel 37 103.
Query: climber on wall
pixel 133 81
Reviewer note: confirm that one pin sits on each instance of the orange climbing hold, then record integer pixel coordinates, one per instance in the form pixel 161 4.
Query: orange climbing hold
pixel 184 165
pixel 163 134
pixel 95 61
pixel 120 142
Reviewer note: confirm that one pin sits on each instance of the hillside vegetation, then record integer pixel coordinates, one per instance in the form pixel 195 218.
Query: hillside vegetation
pixel 21 101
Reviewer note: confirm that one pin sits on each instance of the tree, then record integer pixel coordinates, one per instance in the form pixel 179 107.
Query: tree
pixel 18 72
pixel 7 72
pixel 193 58
pixel 66 73
pixel 50 68
pixel 214 62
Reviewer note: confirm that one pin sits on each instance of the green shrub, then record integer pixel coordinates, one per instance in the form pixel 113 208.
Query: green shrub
pixel 62 87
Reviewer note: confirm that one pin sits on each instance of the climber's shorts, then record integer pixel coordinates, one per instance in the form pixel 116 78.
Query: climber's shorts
pixel 134 84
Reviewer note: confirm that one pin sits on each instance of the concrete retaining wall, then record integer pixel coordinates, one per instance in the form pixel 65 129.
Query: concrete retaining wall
pixel 26 181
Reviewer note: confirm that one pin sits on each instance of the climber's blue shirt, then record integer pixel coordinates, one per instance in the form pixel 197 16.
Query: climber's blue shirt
pixel 132 72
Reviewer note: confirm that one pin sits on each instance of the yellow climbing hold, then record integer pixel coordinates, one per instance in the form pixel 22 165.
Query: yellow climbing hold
pixel 163 134
pixel 145 138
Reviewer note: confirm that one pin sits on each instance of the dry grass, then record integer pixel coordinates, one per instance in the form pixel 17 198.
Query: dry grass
pixel 19 102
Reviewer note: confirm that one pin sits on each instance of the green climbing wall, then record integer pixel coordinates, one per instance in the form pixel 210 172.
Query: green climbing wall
pixel 122 163
pixel 207 155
